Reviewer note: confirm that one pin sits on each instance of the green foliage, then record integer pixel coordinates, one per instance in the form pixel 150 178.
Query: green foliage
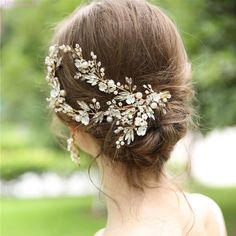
pixel 26 35
pixel 49 217
pixel 38 160
pixel 20 154
pixel 208 30
pixel 216 74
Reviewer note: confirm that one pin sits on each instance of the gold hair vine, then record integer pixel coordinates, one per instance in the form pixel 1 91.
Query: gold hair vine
pixel 129 109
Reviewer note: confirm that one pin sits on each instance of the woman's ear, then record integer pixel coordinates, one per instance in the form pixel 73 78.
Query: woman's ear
pixel 86 142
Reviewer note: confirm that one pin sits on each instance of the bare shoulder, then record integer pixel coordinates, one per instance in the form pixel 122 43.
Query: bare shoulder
pixel 209 211
pixel 99 232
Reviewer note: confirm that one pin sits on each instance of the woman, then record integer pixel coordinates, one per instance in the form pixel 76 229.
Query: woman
pixel 121 81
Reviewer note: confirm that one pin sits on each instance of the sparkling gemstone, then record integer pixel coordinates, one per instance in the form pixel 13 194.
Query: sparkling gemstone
pixel 111 83
pixel 85 65
pixel 130 116
pixel 77 118
pixel 153 105
pixel 54 93
pixel 137 121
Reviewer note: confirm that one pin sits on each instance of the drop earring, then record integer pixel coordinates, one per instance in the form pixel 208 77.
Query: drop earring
pixel 73 149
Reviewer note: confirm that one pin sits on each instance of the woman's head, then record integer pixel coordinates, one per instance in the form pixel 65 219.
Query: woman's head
pixel 136 39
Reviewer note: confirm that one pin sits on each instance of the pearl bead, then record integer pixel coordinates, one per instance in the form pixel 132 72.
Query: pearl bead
pixel 139 95
pixel 63 93
pixel 111 83
pixel 109 119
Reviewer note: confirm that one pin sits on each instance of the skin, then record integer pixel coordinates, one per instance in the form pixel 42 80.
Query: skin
pixel 158 211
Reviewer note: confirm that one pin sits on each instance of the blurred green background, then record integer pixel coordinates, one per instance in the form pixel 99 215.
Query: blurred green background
pixel 27 142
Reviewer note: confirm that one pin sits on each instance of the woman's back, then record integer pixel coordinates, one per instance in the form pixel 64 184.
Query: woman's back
pixel 202 217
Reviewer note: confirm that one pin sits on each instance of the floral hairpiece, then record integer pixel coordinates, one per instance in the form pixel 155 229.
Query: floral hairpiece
pixel 130 109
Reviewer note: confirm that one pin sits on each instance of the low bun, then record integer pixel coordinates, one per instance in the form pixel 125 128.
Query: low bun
pixel 142 150
pixel 149 153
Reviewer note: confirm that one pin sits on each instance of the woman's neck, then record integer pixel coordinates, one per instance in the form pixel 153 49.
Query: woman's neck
pixel 128 208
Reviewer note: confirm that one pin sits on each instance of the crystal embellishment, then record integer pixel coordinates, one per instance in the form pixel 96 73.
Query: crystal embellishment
pixel 129 109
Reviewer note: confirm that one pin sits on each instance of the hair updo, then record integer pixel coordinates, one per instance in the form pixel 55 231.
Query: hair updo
pixel 136 39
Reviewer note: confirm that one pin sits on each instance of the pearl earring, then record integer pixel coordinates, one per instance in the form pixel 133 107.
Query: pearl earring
pixel 73 149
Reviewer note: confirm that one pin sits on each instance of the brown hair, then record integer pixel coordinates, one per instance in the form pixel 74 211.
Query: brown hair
pixel 136 39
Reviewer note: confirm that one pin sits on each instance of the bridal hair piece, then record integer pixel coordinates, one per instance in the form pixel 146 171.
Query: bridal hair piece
pixel 129 109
